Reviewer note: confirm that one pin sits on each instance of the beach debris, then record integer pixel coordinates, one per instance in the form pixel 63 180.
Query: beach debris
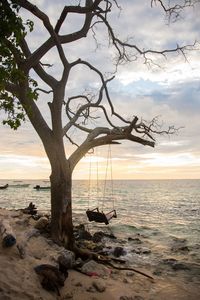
pixel 41 223
pixel 51 277
pixel 8 236
pixel 30 209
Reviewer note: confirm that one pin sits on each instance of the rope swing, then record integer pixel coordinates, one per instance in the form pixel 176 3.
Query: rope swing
pixel 96 214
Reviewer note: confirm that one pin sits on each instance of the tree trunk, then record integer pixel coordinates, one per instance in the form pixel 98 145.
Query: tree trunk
pixel 61 206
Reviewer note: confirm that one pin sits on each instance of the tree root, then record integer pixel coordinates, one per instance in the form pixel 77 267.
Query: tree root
pixel 106 260
pixel 130 269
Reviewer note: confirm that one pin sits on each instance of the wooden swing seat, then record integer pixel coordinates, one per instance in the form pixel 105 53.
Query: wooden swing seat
pixel 100 217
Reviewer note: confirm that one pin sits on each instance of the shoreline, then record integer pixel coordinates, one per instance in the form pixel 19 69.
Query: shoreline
pixel 19 281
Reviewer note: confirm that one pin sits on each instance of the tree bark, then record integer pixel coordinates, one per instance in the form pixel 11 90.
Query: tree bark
pixel 61 205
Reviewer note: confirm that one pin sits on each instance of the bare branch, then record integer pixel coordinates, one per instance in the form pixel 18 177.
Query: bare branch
pixel 47 45
pixel 174 12
pixel 71 141
pixel 44 18
pixel 122 47
pixel 79 61
pixel 85 107
pixel 48 79
pixel 90 6
pixel 154 128
pixel 111 137
pixel 43 91
pixel 46 65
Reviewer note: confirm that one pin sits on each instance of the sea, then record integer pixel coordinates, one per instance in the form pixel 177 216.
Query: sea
pixel 157 224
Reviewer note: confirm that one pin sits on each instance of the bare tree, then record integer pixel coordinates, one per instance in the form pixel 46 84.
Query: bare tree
pixel 19 93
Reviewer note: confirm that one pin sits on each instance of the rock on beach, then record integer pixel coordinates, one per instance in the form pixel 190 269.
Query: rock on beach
pixel 19 281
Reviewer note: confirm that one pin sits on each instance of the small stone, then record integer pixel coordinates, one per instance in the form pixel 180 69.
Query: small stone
pixel 137 297
pixel 180 248
pixel 68 295
pixel 157 272
pixel 23 222
pixel 130 274
pixel 66 259
pixel 135 240
pixel 78 284
pixel 141 250
pixel 78 263
pixel 98 236
pixel 180 266
pixel 176 265
pixel 110 236
pixel 119 251
pixel 99 286
pixel 179 245
pixel 179 240
pixel 83 234
pixel 41 223
pixel 169 261
pixel 91 289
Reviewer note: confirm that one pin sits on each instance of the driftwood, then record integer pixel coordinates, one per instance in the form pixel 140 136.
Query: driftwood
pixel 24 240
pixel 7 233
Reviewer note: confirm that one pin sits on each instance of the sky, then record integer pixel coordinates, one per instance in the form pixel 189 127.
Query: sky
pixel 169 88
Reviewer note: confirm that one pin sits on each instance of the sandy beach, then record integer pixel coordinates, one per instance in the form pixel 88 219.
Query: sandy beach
pixel 18 280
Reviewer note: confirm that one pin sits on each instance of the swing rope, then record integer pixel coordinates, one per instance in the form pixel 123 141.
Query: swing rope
pixel 89 184
pixel 108 163
pixel 111 177
pixel 95 214
pixel 97 185
pixel 97 181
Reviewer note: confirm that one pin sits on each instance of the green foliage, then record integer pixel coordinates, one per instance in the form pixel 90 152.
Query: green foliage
pixel 12 33
pixel 13 108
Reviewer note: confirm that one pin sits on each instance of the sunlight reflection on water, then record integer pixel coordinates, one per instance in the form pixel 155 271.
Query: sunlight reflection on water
pixel 172 206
